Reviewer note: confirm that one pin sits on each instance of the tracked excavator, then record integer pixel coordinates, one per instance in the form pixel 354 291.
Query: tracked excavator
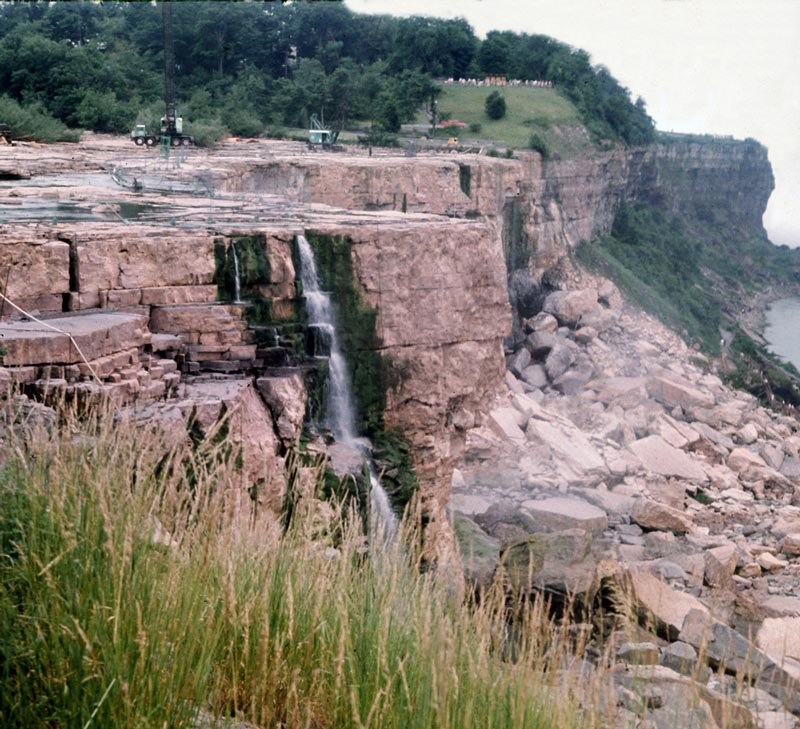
pixel 171 132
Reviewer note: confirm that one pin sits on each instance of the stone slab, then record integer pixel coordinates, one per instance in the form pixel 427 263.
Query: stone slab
pixel 96 335
pixel 559 513
pixel 658 456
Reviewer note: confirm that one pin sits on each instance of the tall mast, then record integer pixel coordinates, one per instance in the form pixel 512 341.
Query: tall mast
pixel 169 60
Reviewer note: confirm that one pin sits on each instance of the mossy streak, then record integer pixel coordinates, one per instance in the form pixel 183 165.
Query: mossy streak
pixel 355 323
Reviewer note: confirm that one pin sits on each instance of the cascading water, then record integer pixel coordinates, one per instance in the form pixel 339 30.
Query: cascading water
pixel 339 406
pixel 237 281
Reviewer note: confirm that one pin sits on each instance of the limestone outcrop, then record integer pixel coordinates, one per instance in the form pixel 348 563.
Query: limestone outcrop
pixel 595 458
pixel 175 283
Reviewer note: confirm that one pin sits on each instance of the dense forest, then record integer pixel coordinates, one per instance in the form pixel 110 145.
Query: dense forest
pixel 250 68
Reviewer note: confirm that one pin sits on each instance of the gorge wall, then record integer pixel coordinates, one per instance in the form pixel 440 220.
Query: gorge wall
pixel 568 444
pixel 434 242
pixel 559 202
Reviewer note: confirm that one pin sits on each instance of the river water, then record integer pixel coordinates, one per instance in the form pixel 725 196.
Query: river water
pixel 782 330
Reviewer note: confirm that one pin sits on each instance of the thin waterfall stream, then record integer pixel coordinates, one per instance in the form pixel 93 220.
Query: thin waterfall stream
pixel 237 281
pixel 340 411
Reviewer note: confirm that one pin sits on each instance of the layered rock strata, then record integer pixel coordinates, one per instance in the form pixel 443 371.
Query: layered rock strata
pixel 614 409
pixel 166 278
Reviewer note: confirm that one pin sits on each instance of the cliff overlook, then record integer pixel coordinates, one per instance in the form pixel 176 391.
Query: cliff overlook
pixel 545 431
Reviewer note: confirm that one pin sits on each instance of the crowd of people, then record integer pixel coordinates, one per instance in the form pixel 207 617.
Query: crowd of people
pixel 500 81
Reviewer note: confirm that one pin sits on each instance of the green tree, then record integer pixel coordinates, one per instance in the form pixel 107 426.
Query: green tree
pixel 495 105
pixel 388 115
pixel 240 108
pixel 439 48
pixel 495 53
pixel 103 112
pixel 340 91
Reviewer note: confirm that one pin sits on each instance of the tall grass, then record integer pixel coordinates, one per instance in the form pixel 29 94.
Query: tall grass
pixel 105 622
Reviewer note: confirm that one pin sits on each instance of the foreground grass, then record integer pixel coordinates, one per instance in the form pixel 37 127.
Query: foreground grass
pixel 107 622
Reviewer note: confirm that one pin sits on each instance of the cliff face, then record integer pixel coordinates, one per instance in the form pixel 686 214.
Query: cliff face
pixel 721 176
pixel 439 245
pixel 442 312
pixel 544 207
pixel 562 460
pixel 540 211
pixel 724 178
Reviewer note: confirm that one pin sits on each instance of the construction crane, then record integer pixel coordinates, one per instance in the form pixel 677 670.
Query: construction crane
pixel 171 133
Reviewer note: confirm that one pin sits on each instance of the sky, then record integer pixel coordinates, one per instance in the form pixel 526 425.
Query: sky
pixel 728 67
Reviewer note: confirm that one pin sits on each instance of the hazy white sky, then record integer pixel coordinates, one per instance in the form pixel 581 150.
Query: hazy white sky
pixel 705 66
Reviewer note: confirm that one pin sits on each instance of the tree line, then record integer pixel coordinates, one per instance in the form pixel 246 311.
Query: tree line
pixel 248 67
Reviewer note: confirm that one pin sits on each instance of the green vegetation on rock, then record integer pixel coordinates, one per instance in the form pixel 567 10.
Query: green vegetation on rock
pixel 698 271
pixel 254 282
pixel 355 323
pixel 250 253
pixel 392 456
pixel 355 326
pixel 657 264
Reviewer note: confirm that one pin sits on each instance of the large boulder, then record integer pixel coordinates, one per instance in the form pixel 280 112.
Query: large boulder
pixel 506 423
pixel 673 700
pixel 659 605
pixel 672 392
pixel 540 343
pixel 561 357
pixel 479 551
pixel 650 514
pixel 732 652
pixel 70 339
pixel 569 444
pixel 559 513
pixel 231 412
pixel 286 398
pixel 569 306
pixel 560 562
pixel 575 378
pixel 779 638
pixel 658 456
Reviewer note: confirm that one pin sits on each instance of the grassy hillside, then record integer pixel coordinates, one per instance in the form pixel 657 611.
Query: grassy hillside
pixel 698 276
pixel 544 112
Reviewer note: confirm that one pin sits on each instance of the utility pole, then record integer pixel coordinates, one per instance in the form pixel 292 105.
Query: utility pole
pixel 169 61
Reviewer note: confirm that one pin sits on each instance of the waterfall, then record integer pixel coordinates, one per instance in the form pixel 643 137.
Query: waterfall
pixel 237 281
pixel 340 411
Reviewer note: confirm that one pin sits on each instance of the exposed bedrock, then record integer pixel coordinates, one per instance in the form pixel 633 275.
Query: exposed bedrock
pixel 439 244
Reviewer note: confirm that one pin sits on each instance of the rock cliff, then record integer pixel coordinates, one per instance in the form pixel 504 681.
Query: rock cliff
pixel 595 454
